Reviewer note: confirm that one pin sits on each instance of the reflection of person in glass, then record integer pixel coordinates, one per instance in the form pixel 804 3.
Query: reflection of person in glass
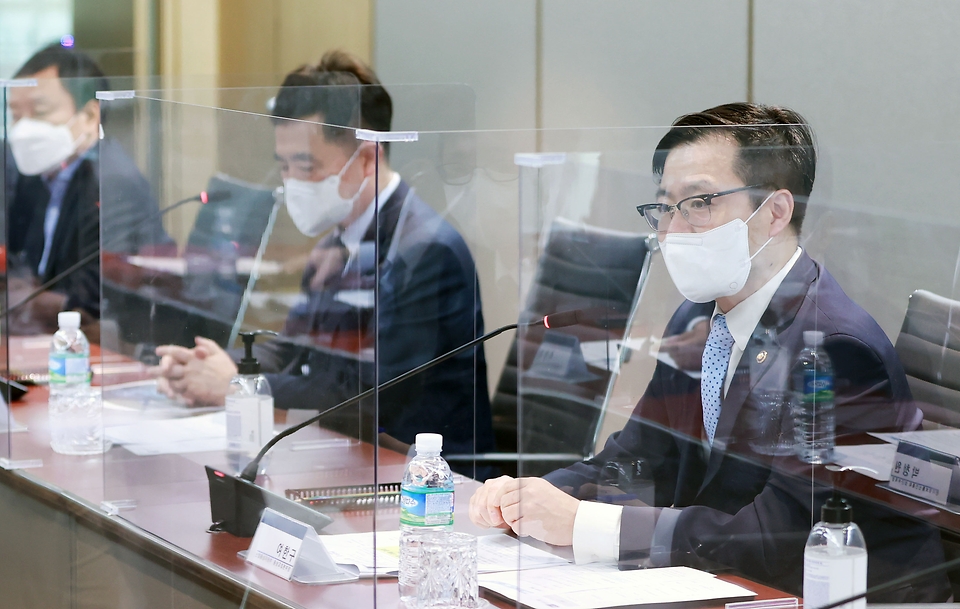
pixel 53 194
pixel 733 185
pixel 428 290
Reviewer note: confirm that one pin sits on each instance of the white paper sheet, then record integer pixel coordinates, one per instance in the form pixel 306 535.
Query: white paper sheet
pixel 875 457
pixel 359 299
pixel 206 432
pixel 178 266
pixel 942 440
pixel 595 586
pixel 603 354
pixel 494 553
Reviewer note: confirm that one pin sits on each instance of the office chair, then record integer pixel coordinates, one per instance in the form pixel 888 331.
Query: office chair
pixel 549 401
pixel 929 348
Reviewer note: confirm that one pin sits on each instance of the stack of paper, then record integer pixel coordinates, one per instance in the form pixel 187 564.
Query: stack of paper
pixel 595 586
pixel 494 553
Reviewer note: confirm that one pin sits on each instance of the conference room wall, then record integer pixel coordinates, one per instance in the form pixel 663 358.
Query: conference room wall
pixel 880 82
pixel 877 79
pixel 490 47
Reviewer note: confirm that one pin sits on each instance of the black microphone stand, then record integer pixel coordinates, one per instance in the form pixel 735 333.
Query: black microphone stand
pixel 249 473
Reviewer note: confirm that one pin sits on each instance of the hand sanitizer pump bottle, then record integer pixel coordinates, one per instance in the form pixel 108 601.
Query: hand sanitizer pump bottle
pixel 835 558
pixel 249 408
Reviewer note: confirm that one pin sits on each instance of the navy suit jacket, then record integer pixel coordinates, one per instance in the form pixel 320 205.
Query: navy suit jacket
pixel 752 512
pixel 130 222
pixel 429 304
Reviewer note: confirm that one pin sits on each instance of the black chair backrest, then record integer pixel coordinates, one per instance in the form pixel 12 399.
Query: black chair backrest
pixel 562 395
pixel 241 218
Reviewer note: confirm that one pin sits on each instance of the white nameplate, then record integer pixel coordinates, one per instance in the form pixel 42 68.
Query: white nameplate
pixel 277 542
pixel 922 472
pixel 291 549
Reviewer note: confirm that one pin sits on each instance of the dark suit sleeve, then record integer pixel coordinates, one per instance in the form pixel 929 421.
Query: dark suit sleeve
pixel 755 515
pixel 765 536
pixel 427 307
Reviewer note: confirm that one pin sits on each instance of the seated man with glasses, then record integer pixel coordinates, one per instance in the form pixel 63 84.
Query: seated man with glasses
pixel 733 186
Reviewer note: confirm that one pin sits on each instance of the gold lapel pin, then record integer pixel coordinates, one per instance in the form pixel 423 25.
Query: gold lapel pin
pixel 761 357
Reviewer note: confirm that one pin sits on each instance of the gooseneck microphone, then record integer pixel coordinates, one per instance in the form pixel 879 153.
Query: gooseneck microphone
pixel 555 320
pixel 203 197
pixel 236 502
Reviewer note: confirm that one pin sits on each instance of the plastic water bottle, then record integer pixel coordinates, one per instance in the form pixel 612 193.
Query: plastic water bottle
pixel 426 504
pixel 835 558
pixel 814 416
pixel 75 425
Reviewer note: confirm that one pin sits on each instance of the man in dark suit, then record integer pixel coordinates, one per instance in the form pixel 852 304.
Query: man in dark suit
pixel 733 185
pixel 53 195
pixel 429 300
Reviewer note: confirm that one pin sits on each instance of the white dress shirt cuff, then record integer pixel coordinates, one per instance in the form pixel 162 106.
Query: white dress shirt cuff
pixel 596 533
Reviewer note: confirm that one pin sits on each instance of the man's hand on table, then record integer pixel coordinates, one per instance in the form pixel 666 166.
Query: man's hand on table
pixel 199 376
pixel 529 506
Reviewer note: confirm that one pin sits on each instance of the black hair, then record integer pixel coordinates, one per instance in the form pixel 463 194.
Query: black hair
pixel 342 90
pixel 776 147
pixel 79 73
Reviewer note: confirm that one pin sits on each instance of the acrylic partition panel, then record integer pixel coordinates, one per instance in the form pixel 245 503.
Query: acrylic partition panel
pixel 226 231
pixel 50 259
pixel 7 421
pixel 728 490
pixel 50 249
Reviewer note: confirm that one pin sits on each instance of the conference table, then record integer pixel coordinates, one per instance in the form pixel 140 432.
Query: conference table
pixel 120 530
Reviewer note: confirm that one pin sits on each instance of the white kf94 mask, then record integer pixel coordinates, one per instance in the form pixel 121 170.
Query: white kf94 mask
pixel 713 264
pixel 39 146
pixel 316 207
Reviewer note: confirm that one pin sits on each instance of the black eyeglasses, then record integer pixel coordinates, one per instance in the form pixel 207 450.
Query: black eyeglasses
pixel 695 210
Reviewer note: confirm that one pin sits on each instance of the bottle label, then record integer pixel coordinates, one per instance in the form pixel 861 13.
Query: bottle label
pixel 817 387
pixel 69 368
pixel 426 507
pixel 243 423
pixel 828 578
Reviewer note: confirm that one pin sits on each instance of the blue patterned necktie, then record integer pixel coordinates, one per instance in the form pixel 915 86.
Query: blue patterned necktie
pixel 716 358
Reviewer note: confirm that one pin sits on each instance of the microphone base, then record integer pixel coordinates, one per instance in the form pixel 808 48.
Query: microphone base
pixel 236 505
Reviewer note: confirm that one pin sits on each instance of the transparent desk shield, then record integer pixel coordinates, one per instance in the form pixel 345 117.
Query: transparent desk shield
pixel 596 396
pixel 683 457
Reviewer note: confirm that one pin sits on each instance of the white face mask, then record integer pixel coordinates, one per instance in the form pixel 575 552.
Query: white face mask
pixel 711 265
pixel 39 146
pixel 316 207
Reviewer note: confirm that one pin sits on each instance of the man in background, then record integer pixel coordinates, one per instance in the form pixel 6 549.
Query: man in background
pixel 53 191
pixel 733 187
pixel 428 289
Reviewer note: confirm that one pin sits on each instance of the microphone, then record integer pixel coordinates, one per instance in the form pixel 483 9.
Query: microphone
pixel 203 197
pixel 236 502
pixel 592 316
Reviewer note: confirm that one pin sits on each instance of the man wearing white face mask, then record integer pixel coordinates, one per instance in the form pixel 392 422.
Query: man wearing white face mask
pixel 54 192
pixel 733 187
pixel 429 295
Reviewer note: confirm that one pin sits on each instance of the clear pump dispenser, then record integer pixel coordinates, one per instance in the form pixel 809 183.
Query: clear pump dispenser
pixel 835 558
pixel 249 408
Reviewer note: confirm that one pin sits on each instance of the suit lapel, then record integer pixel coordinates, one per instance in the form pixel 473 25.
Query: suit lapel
pixel 779 315
pixel 388 219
